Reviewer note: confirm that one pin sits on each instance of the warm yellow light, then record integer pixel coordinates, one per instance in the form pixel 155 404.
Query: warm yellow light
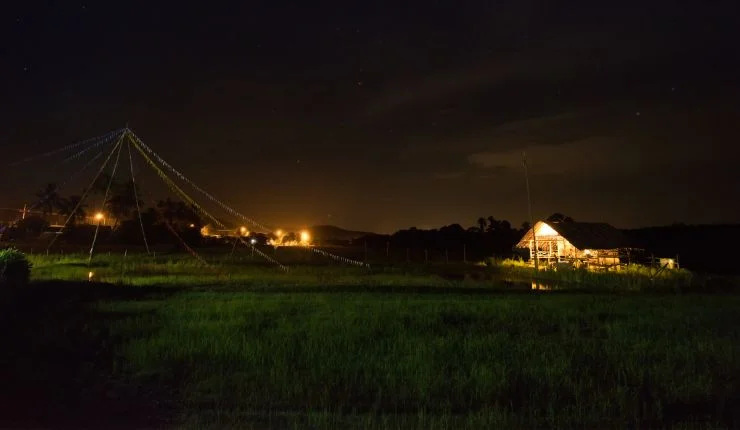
pixel 278 233
pixel 244 231
pixel 305 237
pixel 90 276
pixel 587 251
pixel 192 225
pixel 99 216
pixel 546 230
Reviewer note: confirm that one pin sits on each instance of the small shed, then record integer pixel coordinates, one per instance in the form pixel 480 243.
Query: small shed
pixel 576 243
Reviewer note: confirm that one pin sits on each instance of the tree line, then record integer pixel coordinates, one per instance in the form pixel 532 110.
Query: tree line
pixel 487 237
pixel 126 215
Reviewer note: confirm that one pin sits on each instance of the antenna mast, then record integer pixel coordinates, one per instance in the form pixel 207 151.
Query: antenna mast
pixel 529 205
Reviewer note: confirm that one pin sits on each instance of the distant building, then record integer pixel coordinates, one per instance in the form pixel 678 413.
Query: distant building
pixel 576 243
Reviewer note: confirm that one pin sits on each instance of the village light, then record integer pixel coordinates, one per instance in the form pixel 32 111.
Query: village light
pixel 99 216
pixel 305 236
pixel 253 241
pixel 278 233
pixel 244 231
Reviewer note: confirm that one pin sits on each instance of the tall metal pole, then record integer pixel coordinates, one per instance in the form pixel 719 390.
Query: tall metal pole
pixel 529 205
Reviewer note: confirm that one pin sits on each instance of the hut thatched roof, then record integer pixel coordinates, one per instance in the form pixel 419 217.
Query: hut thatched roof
pixel 584 235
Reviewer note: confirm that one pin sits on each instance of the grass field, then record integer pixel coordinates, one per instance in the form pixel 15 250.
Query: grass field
pixel 334 347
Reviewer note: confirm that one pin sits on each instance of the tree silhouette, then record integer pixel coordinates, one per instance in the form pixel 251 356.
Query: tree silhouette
pixel 123 202
pixel 67 208
pixel 49 199
pixel 482 224
pixel 491 224
pixel 178 214
pixel 558 217
pixel 101 184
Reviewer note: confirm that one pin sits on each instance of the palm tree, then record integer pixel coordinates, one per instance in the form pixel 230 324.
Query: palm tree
pixel 49 199
pixel 123 202
pixel 481 224
pixel 492 224
pixel 67 208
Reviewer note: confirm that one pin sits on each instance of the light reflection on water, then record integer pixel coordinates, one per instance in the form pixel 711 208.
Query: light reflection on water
pixel 525 284
pixel 541 286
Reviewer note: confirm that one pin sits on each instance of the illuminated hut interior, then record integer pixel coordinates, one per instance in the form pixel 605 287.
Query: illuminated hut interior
pixel 576 243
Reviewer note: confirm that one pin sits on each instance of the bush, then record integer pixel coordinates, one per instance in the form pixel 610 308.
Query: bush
pixel 15 269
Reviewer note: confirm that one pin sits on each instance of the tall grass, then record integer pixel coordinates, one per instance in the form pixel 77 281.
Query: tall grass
pixel 626 278
pixel 379 361
pixel 225 271
pixel 244 346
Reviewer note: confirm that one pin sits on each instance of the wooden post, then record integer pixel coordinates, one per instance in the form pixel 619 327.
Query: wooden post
pixel 365 244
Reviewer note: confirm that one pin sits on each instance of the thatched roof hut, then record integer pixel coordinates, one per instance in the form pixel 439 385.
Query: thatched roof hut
pixel 594 243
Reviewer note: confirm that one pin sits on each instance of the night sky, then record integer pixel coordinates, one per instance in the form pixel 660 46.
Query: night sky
pixel 385 115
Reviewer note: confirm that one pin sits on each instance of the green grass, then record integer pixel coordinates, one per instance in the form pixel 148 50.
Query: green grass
pixel 372 359
pixel 239 271
pixel 628 278
pixel 366 350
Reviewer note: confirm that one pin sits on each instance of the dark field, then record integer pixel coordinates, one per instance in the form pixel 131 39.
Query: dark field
pixel 341 348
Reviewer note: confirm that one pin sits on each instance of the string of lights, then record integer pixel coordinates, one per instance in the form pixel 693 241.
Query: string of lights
pixel 98 144
pixel 113 134
pixel 263 255
pixel 339 258
pixel 190 250
pixel 177 173
pixel 85 193
pixel 227 208
pixel 196 206
pixel 136 198
pixel 69 179
pixel 105 199
pixel 176 189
